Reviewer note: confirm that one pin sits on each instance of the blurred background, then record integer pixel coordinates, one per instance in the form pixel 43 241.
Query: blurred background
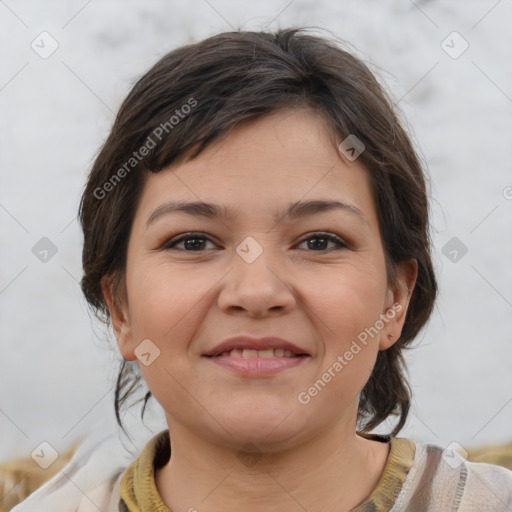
pixel 65 69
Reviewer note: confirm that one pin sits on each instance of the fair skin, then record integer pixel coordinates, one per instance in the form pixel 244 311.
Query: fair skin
pixel 314 293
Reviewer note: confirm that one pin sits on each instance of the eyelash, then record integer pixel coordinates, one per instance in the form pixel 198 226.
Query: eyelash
pixel 170 244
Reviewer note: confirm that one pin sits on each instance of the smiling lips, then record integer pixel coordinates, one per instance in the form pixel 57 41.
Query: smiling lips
pixel 257 356
pixel 247 347
pixel 264 354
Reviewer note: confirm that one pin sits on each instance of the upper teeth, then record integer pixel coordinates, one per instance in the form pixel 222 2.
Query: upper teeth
pixel 268 352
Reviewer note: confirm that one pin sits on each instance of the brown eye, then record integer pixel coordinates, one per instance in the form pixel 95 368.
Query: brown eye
pixel 321 241
pixel 193 242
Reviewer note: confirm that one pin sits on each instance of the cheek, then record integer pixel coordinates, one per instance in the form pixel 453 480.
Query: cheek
pixel 346 311
pixel 163 300
pixel 348 301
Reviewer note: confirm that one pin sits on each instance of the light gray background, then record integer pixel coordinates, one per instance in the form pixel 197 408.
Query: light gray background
pixel 57 370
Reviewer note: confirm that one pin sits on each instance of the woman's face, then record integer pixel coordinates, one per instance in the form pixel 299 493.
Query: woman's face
pixel 259 273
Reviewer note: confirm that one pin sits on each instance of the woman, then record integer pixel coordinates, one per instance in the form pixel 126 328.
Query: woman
pixel 256 230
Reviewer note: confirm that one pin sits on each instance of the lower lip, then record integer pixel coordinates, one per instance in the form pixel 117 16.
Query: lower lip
pixel 258 365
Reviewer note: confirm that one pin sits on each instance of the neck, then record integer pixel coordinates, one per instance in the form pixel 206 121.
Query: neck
pixel 335 471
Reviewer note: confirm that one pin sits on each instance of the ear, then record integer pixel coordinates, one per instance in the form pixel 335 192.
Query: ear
pixel 397 303
pixel 118 309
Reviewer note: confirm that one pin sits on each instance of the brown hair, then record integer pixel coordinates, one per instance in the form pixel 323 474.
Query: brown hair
pixel 236 76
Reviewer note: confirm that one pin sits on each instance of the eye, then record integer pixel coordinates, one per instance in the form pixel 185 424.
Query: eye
pixel 324 238
pixel 194 242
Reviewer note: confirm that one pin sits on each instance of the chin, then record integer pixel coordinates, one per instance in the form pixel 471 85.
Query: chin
pixel 262 429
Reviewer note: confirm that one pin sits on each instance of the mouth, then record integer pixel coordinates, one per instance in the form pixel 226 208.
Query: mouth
pixel 252 357
pixel 268 353
pixel 247 347
pixel 256 366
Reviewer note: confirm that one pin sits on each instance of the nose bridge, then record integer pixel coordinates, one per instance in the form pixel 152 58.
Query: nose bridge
pixel 250 250
pixel 257 260
pixel 256 282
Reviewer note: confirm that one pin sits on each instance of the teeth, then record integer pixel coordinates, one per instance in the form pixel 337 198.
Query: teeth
pixel 265 354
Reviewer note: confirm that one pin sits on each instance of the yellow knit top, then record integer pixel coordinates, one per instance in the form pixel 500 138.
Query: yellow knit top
pixel 138 492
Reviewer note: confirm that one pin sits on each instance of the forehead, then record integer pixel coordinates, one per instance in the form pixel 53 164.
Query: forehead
pixel 263 165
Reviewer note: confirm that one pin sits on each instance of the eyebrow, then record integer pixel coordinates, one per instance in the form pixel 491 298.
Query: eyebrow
pixel 294 210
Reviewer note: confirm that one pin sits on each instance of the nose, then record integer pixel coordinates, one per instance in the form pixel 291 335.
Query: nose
pixel 256 286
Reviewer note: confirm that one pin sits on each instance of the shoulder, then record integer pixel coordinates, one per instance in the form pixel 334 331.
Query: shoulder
pixel 90 481
pixel 488 485
pixel 442 479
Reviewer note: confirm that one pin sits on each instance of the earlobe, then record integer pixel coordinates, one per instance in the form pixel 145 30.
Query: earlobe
pixel 397 302
pixel 119 318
